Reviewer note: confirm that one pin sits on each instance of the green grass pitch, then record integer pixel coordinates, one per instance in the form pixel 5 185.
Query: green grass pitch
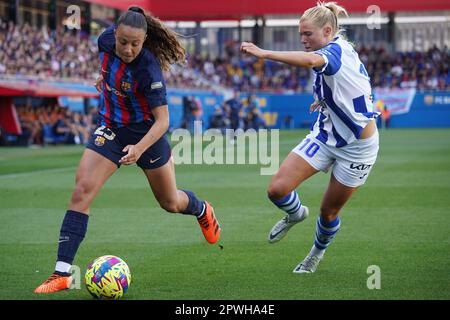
pixel 399 221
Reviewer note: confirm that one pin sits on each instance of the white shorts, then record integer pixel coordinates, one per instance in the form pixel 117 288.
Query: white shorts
pixel 351 163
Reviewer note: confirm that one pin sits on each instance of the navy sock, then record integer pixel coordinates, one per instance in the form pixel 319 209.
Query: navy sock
pixel 195 205
pixel 73 230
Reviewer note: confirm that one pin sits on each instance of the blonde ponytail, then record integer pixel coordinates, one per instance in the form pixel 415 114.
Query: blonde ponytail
pixel 326 12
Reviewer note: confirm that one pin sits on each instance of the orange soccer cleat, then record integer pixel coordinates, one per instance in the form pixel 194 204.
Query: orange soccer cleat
pixel 209 224
pixel 54 283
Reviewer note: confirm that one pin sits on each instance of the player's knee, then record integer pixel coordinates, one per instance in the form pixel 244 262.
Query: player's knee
pixel 277 191
pixel 328 213
pixel 81 192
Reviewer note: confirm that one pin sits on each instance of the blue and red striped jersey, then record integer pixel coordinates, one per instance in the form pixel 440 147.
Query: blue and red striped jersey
pixel 129 90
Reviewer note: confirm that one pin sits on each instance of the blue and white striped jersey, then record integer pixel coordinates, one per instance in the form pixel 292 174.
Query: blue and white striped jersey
pixel 342 86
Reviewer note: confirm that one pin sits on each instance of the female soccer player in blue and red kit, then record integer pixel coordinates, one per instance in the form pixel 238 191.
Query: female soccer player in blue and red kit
pixel 133 120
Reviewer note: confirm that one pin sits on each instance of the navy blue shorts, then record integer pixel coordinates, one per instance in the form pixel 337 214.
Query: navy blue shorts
pixel 110 143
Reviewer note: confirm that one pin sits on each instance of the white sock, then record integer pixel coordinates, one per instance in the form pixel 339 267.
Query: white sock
pixel 292 205
pixel 63 267
pixel 317 252
pixel 298 215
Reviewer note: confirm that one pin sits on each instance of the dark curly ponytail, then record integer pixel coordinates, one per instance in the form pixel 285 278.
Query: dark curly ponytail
pixel 161 41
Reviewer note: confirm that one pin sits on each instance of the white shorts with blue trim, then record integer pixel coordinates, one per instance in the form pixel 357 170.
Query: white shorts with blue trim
pixel 350 164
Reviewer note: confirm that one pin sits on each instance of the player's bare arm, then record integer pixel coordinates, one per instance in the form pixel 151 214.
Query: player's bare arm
pixel 295 58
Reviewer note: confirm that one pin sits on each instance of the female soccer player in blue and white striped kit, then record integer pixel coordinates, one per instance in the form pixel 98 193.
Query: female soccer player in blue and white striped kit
pixel 344 136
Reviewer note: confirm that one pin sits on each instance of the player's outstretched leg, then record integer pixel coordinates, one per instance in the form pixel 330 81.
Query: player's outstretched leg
pixel 325 233
pixel 295 213
pixel 281 191
pixel 164 187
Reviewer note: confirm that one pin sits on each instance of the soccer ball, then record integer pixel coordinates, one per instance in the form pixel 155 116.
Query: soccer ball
pixel 107 277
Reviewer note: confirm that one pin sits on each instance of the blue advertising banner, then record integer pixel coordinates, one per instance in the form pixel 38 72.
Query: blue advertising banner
pixel 408 108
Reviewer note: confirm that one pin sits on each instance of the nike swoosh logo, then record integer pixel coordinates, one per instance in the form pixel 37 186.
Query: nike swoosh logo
pixel 154 160
pixel 103 70
pixel 271 236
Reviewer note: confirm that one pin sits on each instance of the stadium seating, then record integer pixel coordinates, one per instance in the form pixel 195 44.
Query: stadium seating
pixel 74 56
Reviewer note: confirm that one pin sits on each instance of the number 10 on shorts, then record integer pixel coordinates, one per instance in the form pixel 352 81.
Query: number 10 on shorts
pixel 311 149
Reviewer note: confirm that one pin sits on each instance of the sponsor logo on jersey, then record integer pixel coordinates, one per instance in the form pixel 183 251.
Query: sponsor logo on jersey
pixel 360 166
pixel 115 91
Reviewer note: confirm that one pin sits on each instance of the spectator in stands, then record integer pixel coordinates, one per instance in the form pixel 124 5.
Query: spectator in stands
pixel 62 130
pixel 234 110
pixel 31 126
pixel 253 117
pixel 79 128
pixel 197 113
pixel 187 112
pixel 218 120
pixel 92 118
pixel 385 117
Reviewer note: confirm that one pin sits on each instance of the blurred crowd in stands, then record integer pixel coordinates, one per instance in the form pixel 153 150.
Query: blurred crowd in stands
pixel 237 71
pixel 42 53
pixel 26 50
pixel 53 124
pixel 45 54
pixel 428 70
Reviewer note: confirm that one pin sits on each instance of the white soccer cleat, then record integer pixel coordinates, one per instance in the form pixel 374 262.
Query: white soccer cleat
pixel 281 228
pixel 308 265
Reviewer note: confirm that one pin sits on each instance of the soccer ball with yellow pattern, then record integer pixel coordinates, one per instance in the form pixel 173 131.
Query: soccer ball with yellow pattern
pixel 107 277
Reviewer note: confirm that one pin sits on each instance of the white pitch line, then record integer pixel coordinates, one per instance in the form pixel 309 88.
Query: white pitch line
pixel 25 174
